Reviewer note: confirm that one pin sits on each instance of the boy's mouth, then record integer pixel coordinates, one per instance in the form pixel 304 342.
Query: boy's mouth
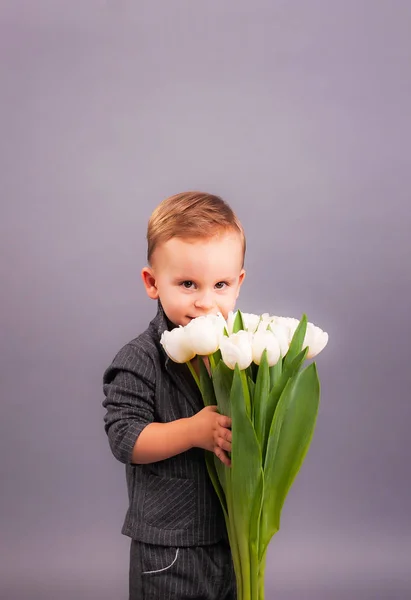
pixel 204 315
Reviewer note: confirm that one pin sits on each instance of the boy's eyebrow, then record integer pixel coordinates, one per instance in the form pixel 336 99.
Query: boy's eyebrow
pixel 185 278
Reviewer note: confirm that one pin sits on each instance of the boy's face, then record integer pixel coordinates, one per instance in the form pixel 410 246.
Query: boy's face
pixel 196 277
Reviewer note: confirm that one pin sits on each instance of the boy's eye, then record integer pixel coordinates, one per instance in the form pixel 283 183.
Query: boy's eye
pixel 189 285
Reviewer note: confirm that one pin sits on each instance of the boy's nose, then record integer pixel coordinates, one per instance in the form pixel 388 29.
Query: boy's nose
pixel 205 302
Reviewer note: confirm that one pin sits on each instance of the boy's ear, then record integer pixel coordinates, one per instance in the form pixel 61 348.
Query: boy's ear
pixel 149 280
pixel 240 280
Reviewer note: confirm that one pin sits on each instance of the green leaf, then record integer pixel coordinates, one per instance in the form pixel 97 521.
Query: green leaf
pixel 217 473
pixel 206 385
pixel 291 369
pixel 275 373
pixel 276 392
pixel 209 399
pixel 262 390
pixel 246 393
pixel 216 357
pixel 245 485
pixel 296 342
pixel 251 388
pixel 215 479
pixel 222 380
pixel 238 324
pixel 251 371
pixel 290 437
pixel 254 540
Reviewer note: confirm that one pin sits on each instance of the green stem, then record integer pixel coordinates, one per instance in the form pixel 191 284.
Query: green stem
pixel 194 374
pixel 245 569
pixel 261 573
pixel 212 362
pixel 254 572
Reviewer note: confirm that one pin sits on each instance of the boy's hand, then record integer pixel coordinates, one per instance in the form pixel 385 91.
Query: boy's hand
pixel 211 431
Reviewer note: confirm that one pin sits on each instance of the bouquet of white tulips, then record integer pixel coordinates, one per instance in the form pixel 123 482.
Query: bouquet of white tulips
pixel 253 373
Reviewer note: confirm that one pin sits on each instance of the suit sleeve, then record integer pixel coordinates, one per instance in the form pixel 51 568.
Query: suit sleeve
pixel 129 390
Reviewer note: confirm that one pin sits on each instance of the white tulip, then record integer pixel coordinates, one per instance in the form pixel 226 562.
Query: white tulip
pixel 252 322
pixel 289 323
pixel 265 321
pixel 266 340
pixel 204 334
pixel 282 333
pixel 237 349
pixel 316 339
pixel 177 345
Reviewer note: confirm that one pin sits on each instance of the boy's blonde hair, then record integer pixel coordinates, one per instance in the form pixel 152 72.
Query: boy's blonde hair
pixel 190 215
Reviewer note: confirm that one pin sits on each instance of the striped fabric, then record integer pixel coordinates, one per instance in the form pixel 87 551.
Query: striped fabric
pixel 169 573
pixel 171 502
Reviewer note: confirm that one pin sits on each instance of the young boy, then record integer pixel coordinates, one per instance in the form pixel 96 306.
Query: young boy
pixel 156 421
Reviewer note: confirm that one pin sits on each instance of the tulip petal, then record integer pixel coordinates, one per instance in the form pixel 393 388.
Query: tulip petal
pixel 177 345
pixel 237 349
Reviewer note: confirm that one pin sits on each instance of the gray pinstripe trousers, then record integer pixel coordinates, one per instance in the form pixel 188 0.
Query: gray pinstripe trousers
pixel 184 573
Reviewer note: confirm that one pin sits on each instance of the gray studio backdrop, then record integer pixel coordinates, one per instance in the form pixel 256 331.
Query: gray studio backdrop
pixel 298 113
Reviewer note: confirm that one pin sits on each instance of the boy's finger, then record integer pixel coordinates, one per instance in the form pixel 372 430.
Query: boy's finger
pixel 224 421
pixel 225 434
pixel 224 444
pixel 219 452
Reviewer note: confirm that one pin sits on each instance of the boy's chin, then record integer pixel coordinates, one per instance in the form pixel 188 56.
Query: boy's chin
pixel 181 322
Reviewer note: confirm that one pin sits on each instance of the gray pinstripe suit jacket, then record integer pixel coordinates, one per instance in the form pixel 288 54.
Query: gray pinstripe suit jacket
pixel 171 502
